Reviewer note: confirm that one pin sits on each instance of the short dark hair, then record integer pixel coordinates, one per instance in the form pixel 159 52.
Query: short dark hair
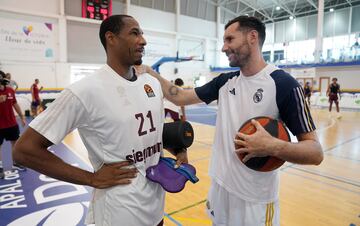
pixel 248 23
pixel 334 79
pixel 179 82
pixel 113 24
pixel 2 74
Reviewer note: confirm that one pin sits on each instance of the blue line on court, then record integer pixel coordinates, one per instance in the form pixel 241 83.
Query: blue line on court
pixel 172 219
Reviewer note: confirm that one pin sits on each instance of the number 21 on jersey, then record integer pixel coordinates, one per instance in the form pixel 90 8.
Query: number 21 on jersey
pixel 140 116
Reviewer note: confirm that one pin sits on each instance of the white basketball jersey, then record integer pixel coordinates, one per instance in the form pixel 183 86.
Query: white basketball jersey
pixel 117 120
pixel 271 92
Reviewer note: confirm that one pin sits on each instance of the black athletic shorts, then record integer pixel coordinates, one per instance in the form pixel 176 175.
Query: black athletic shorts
pixel 35 103
pixel 11 134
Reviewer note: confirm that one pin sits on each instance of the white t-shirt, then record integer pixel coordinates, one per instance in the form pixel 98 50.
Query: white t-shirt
pixel 271 92
pixel 117 120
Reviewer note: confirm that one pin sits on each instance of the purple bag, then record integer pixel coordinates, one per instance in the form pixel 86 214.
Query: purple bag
pixel 170 178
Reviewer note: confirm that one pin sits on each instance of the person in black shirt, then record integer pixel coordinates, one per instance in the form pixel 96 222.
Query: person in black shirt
pixel 333 92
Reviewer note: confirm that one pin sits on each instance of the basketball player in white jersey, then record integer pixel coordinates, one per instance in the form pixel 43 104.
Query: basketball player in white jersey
pixel 238 195
pixel 120 118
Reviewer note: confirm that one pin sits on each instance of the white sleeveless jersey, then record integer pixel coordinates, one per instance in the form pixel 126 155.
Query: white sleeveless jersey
pixel 117 120
pixel 271 92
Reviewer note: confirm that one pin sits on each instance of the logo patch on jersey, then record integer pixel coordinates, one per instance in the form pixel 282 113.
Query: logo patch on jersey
pixel 258 95
pixel 232 91
pixel 149 91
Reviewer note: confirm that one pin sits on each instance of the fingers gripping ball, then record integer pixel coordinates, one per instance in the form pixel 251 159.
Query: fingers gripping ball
pixel 276 129
pixel 178 135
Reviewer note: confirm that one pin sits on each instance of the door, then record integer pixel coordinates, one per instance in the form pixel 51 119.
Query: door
pixel 324 84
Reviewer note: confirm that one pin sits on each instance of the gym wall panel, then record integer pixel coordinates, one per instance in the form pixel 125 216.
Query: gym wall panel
pixel 153 19
pixel 170 6
pixel 183 6
pixel 290 28
pixel 146 3
pixel 193 8
pixel 159 4
pixel 279 31
pixel 312 27
pixel 73 7
pixel 198 26
pixel 46 6
pixel 210 12
pixel 328 29
pixel 269 33
pixel 355 25
pixel 84 45
pixel 341 21
pixel 202 9
pixel 301 28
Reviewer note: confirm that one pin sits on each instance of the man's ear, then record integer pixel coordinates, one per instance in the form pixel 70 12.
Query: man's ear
pixel 110 38
pixel 253 37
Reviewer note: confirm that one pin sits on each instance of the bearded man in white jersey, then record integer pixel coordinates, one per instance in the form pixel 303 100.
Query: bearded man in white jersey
pixel 120 119
pixel 239 195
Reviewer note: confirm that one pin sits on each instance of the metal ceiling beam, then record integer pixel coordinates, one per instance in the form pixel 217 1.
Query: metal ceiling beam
pixel 295 7
pixel 312 3
pixel 257 10
pixel 245 3
pixel 284 7
pixel 314 11
pixel 349 1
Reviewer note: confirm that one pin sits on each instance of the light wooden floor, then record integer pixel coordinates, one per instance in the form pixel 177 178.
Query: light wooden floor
pixel 325 195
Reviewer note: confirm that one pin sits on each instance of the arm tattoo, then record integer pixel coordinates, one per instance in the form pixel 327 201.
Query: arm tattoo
pixel 174 90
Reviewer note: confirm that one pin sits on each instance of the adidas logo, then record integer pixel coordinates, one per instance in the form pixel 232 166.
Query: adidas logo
pixel 232 91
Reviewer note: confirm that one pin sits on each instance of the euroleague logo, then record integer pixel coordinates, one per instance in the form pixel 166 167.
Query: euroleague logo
pixel 149 91
pixel 258 95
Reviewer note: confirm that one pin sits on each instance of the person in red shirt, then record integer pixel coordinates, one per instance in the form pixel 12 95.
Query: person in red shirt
pixel 36 101
pixel 9 129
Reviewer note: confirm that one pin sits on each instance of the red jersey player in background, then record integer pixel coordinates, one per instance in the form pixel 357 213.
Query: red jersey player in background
pixel 35 101
pixel 9 129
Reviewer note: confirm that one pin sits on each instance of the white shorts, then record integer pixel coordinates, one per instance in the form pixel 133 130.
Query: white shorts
pixel 226 209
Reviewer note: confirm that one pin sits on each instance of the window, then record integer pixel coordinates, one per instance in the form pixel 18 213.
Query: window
pixel 278 55
pixel 267 56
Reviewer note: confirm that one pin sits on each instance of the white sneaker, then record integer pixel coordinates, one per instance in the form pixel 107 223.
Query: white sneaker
pixel 338 115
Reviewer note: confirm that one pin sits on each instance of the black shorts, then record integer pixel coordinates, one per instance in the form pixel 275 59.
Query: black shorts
pixel 11 134
pixel 35 103
pixel 333 97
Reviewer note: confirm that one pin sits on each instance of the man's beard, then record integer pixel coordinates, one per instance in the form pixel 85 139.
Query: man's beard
pixel 241 58
pixel 138 62
pixel 241 61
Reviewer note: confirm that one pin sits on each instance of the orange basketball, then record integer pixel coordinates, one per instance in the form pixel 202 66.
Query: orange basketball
pixel 276 129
